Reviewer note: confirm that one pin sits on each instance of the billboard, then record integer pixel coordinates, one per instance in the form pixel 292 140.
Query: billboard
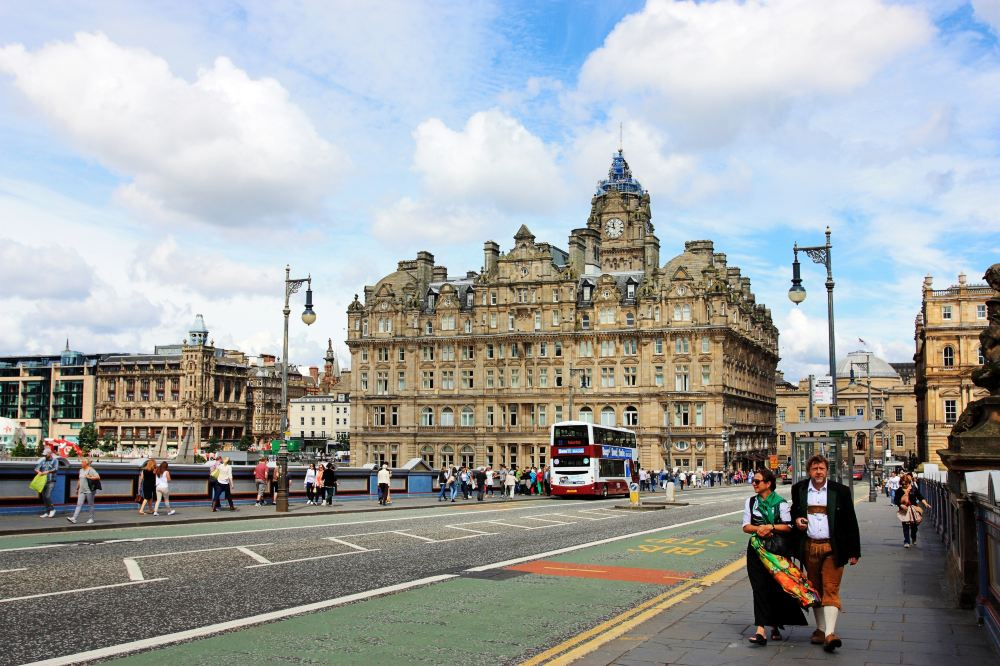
pixel 822 391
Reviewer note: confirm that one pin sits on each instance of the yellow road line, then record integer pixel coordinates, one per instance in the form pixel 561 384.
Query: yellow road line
pixel 588 641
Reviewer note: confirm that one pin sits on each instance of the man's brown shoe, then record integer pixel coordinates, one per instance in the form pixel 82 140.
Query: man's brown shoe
pixel 817 638
pixel 831 643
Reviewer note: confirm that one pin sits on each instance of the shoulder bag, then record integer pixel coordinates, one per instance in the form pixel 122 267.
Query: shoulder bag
pixel 776 542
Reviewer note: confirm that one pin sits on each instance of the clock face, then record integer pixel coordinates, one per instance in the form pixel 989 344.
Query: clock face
pixel 614 228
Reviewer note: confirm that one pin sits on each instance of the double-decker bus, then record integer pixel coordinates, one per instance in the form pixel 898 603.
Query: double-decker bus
pixel 589 459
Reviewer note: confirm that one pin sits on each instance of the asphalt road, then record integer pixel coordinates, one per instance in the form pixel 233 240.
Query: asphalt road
pixel 152 581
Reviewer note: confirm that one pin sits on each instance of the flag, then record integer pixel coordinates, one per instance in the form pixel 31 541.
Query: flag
pixel 862 342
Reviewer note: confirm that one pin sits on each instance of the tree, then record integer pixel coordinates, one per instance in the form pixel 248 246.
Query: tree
pixel 213 445
pixel 245 443
pixel 19 450
pixel 108 443
pixel 87 438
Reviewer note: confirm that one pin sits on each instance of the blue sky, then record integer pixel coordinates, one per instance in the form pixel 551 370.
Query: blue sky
pixel 161 159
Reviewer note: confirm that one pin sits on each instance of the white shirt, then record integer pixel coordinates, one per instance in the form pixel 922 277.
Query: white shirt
pixel 784 511
pixel 310 476
pixel 383 476
pixel 819 526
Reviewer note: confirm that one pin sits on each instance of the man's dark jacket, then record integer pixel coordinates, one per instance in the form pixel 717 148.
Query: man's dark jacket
pixel 845 536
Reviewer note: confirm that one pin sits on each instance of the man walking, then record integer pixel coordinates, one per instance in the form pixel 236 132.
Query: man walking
pixel 260 474
pixel 383 484
pixel 443 484
pixel 48 466
pixel 824 511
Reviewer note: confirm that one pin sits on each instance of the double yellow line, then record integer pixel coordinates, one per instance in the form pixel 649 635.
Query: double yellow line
pixel 588 641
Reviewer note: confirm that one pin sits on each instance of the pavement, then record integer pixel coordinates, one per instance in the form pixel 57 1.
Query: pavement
pixel 896 611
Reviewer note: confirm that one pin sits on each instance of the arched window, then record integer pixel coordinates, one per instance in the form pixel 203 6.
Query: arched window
pixel 586 415
pixel 468 456
pixel 948 355
pixel 447 417
pixel 631 416
pixel 427 455
pixel 468 417
pixel 585 322
pixel 447 456
pixel 608 416
pixel 682 446
pixel 629 319
pixel 426 416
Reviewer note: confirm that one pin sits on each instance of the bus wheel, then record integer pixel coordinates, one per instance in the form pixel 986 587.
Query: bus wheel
pixel 604 491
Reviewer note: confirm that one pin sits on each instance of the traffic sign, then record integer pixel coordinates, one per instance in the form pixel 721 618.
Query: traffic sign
pixel 823 391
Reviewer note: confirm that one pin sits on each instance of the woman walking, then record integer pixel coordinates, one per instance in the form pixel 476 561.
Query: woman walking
pixel 310 483
pixel 224 485
pixel 330 482
pixel 147 485
pixel 163 489
pixel 911 508
pixel 765 515
pixel 86 487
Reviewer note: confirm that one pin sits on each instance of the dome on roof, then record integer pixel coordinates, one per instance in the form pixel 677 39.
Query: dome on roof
pixel 619 178
pixel 199 325
pixel 860 360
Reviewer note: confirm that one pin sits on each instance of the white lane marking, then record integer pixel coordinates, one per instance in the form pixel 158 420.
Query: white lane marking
pixel 13 570
pixel 82 589
pixel 311 559
pixel 549 520
pixel 469 529
pixel 132 567
pixel 256 556
pixel 577 516
pixel 200 632
pixel 430 540
pixel 360 549
pixel 529 558
pixel 522 527
pixel 135 572
pixel 263 529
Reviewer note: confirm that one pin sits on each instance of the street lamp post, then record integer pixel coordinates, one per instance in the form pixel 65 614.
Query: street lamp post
pixel 820 254
pixel 308 316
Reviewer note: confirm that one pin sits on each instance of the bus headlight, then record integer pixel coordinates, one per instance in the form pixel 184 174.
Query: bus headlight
pixel 555 461
pixel 586 461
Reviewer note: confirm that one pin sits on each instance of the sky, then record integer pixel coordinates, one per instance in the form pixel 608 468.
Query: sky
pixel 160 159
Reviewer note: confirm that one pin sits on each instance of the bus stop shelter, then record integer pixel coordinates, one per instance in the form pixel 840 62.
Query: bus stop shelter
pixel 828 437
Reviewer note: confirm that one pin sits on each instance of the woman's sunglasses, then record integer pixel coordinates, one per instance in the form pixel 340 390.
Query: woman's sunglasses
pixel 756 481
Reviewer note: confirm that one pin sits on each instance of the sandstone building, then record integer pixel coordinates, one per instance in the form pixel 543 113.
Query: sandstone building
pixel 892 399
pixel 947 351
pixel 474 368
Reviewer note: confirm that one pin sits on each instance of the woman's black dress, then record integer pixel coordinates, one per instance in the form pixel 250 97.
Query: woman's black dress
pixel 772 606
pixel 147 484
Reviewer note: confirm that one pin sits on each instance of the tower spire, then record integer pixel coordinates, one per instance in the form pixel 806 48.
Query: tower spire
pixel 621 136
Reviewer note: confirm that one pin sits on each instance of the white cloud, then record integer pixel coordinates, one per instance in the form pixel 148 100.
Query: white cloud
pixel 34 272
pixel 988 11
pixel 493 160
pixel 718 66
pixel 105 312
pixel 226 149
pixel 410 223
pixel 205 273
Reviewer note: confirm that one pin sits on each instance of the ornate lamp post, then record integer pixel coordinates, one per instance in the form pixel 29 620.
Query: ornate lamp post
pixel 308 316
pixel 820 254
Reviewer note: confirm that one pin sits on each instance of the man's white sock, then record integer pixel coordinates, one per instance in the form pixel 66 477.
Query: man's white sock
pixel 831 618
pixel 820 619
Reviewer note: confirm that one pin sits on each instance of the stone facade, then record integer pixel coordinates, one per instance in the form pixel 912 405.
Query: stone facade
pixel 892 399
pixel 264 395
pixel 318 419
pixel 178 389
pixel 473 369
pixel 947 351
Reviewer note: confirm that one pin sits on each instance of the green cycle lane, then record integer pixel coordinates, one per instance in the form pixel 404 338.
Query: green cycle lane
pixel 503 615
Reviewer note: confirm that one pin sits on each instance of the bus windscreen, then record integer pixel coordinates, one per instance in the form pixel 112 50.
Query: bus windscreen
pixel 574 435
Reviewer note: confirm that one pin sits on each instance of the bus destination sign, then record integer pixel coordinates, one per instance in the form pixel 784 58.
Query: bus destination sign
pixel 616 452
pixel 567 451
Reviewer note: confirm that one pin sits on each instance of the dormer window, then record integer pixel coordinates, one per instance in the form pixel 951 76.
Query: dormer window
pixel 431 300
pixel 588 292
pixel 469 298
pixel 630 290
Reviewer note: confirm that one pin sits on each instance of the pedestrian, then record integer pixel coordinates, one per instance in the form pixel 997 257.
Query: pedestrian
pixel 310 483
pixel 223 485
pixel 213 464
pixel 490 476
pixel 147 485
pixel 87 484
pixel 277 480
pixel 330 482
pixel 480 478
pixel 768 514
pixel 911 508
pixel 260 474
pixel 454 482
pixel 823 510
pixel 443 484
pixel 892 485
pixel 163 489
pixel 383 477
pixel 318 493
pixel 510 482
pixel 47 466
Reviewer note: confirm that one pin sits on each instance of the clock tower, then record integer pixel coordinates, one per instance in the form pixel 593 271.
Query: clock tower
pixel 619 211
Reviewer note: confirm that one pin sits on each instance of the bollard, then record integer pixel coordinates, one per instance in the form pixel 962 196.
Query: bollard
pixel 670 490
pixel 633 493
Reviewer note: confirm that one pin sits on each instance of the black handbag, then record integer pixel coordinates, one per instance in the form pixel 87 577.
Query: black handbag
pixel 95 484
